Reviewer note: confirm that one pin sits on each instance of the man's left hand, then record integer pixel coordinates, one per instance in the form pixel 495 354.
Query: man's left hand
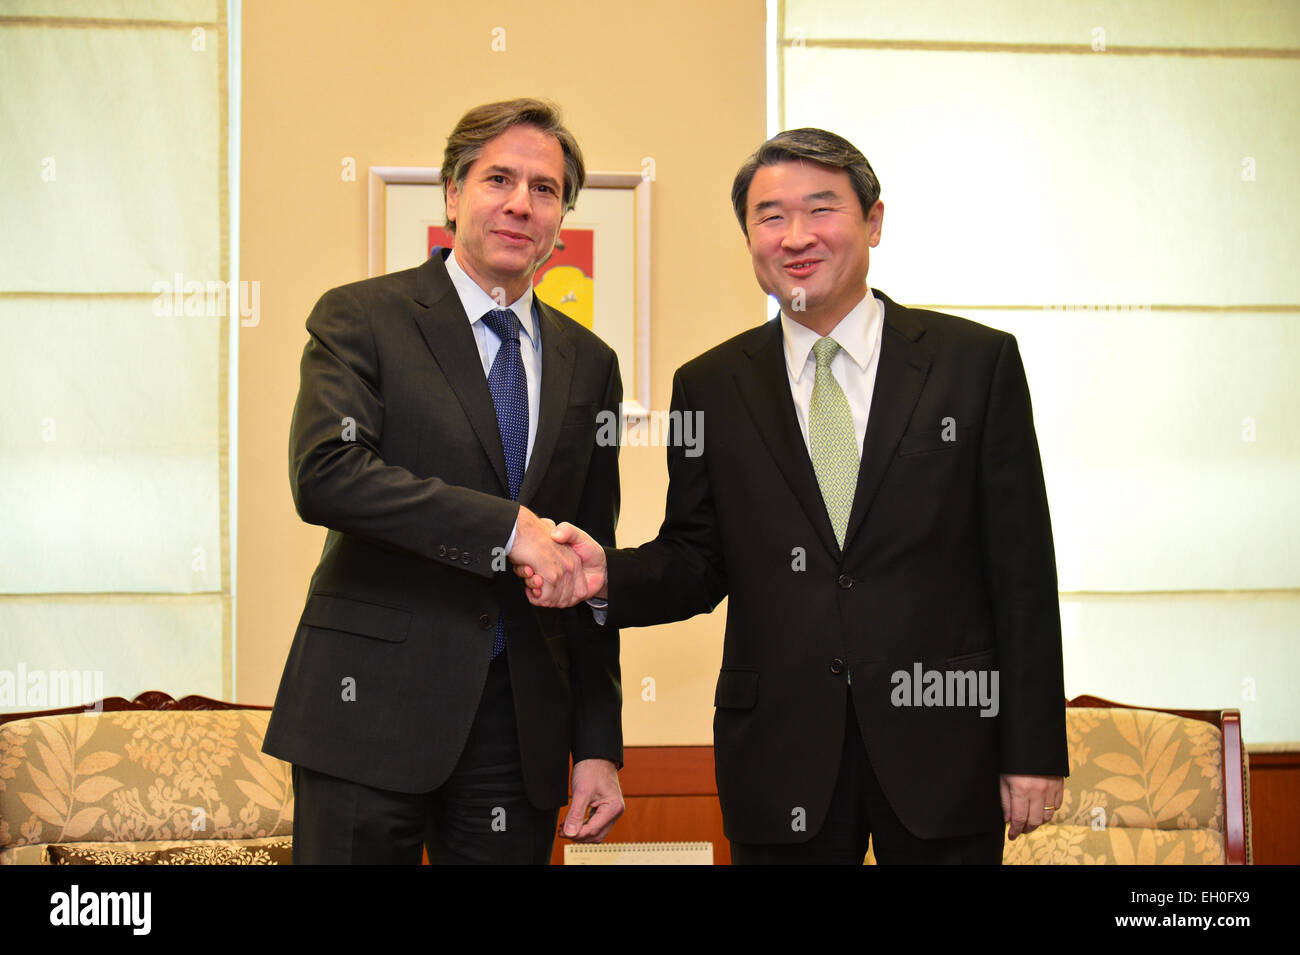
pixel 1025 801
pixel 595 788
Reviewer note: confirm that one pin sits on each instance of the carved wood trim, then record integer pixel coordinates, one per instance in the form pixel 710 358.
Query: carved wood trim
pixel 148 700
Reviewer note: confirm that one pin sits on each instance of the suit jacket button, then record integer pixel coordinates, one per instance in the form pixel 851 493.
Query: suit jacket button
pixel 845 581
pixel 485 621
pixel 442 550
pixel 837 666
pixel 453 553
pixel 464 558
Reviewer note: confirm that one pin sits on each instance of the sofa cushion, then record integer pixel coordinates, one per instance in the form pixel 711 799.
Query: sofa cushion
pixel 1082 845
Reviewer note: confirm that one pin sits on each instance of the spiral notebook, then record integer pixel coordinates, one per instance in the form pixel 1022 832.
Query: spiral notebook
pixel 640 853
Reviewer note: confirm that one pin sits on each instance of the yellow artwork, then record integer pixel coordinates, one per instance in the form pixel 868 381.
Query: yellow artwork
pixel 566 287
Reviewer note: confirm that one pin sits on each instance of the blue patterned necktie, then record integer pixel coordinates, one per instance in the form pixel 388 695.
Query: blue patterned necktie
pixel 509 386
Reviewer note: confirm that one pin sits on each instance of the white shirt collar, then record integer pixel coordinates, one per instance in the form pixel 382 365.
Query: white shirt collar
pixel 856 333
pixel 478 303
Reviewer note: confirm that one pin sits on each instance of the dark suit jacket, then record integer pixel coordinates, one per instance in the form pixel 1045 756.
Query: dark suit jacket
pixel 395 448
pixel 948 563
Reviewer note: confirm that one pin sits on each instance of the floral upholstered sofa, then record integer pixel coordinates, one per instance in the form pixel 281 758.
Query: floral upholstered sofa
pixel 1147 787
pixel 149 781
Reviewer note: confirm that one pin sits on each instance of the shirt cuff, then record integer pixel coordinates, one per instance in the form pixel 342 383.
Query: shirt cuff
pixel 510 544
pixel 599 609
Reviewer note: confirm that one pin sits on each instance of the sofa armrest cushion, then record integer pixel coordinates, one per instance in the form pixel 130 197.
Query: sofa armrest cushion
pixel 141 775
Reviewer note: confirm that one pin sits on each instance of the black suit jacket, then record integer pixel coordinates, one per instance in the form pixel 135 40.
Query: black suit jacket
pixel 948 563
pixel 395 448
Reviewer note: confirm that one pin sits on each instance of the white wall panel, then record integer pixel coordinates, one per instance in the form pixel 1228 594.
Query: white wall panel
pixel 1168 23
pixel 1170 444
pixel 110 446
pixel 1211 651
pixel 125 645
pixel 203 11
pixel 132 140
pixel 1033 179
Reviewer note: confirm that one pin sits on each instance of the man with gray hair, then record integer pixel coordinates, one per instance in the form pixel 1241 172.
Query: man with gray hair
pixel 871 499
pixel 440 410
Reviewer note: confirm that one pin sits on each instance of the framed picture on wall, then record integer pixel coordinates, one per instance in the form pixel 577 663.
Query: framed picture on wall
pixel 599 274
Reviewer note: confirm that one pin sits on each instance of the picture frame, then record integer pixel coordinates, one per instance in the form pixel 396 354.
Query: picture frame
pixel 599 274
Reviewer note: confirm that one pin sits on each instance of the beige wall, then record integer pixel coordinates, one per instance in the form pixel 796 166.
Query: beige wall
pixel 384 82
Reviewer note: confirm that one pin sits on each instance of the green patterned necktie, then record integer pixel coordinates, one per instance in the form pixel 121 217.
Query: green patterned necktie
pixel 832 439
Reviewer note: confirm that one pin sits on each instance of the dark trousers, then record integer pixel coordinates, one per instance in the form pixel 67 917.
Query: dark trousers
pixel 480 815
pixel 859 812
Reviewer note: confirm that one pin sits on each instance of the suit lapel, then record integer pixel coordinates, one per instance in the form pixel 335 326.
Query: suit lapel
pixel 764 384
pixel 900 375
pixel 447 332
pixel 557 374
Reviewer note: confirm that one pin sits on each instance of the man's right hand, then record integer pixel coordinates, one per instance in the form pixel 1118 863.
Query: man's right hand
pixel 586 549
pixel 555 572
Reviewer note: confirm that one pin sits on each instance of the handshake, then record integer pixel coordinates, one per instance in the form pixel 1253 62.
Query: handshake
pixel 560 566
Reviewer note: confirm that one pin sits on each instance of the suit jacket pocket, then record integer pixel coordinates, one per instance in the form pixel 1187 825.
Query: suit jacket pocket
pixel 378 621
pixel 923 442
pixel 575 415
pixel 737 688
pixel 967 661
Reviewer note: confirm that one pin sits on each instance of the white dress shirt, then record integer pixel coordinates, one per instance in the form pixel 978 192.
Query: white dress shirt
pixel 853 367
pixel 478 303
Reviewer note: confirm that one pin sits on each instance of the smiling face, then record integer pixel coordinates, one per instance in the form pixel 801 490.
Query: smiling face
pixel 509 209
pixel 810 241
